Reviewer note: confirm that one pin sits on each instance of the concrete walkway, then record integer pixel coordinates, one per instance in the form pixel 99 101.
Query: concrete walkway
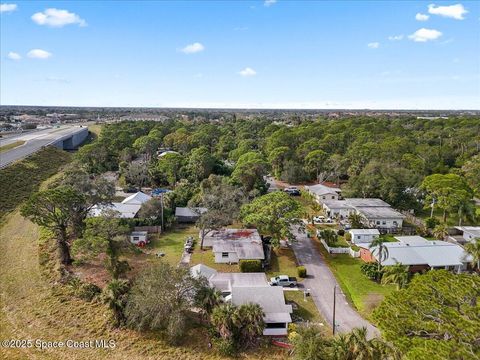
pixel 321 283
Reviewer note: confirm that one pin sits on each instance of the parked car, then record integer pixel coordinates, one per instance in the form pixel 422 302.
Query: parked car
pixel 318 219
pixel 292 190
pixel 283 280
pixel 188 246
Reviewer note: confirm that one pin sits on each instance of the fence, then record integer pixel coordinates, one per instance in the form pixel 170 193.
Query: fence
pixel 153 229
pixel 340 250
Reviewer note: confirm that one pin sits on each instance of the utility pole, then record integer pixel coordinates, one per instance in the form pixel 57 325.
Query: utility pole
pixel 334 298
pixel 161 201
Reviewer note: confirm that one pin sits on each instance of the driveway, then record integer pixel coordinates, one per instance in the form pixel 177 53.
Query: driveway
pixel 321 283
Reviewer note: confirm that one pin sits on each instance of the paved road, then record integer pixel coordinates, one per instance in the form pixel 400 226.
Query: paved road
pixel 34 141
pixel 321 283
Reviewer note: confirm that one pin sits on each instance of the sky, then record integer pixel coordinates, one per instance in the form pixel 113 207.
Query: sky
pixel 241 54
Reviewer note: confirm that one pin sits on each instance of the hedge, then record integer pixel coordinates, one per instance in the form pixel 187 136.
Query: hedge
pixel 301 271
pixel 250 266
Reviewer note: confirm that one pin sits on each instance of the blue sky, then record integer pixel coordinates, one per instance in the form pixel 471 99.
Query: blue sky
pixel 273 54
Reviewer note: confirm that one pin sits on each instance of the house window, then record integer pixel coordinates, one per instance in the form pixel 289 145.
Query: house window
pixel 384 223
pixel 359 237
pixel 323 197
pixel 378 222
pixel 224 254
pixel 275 325
pixel 333 197
pixel 136 238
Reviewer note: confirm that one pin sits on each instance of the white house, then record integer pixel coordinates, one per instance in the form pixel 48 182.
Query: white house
pixel 324 193
pixel 127 209
pixel 376 213
pixel 421 254
pixel 337 208
pixel 232 251
pixel 360 236
pixel 467 234
pixel 245 288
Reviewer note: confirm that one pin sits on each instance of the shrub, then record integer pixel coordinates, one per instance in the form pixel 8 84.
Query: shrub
pixel 250 266
pixel 348 236
pixel 341 232
pixel 431 222
pixel 371 271
pixel 88 291
pixel 301 271
pixel 225 347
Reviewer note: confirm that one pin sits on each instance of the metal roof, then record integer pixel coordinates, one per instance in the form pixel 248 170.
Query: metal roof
pixel 126 211
pixel 270 298
pixel 202 270
pixel 230 234
pixel 320 189
pixel 226 281
pixel 368 202
pixel 244 248
pixel 379 212
pixel 364 232
pixel 138 198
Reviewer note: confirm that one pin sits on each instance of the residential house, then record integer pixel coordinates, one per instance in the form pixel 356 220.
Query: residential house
pixel 337 209
pixel 323 193
pixel 362 236
pixel 127 209
pixel 189 214
pixel 420 254
pixel 465 234
pixel 139 237
pixel 245 288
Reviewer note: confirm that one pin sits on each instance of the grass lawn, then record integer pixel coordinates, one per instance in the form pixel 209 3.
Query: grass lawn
pixel 283 262
pixel 171 243
pixel 306 309
pixel 362 292
pixel 206 257
pixel 11 146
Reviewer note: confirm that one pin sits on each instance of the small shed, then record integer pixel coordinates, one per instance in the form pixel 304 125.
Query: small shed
pixel 139 238
pixel 188 215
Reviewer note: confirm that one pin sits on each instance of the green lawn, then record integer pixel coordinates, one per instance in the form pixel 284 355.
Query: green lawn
pixel 282 262
pixel 364 293
pixel 171 243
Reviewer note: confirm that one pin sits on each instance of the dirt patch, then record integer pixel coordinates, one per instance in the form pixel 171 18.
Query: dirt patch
pixel 371 301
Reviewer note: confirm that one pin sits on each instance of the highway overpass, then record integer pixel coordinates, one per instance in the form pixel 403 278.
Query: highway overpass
pixel 64 137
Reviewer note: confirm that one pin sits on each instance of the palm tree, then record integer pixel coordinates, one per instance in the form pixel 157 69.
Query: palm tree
pixel 115 296
pixel 248 319
pixel 360 347
pixel 473 249
pixel 222 319
pixel 207 298
pixel 396 274
pixel 440 231
pixel 378 246
pixel 356 221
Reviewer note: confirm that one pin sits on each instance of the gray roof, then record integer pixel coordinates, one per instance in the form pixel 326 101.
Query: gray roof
pixel 202 270
pixel 189 212
pixel 433 253
pixel 126 211
pixel 245 249
pixel 364 231
pixel 336 204
pixel 379 212
pixel 368 202
pixel 473 230
pixel 226 281
pixel 270 298
pixel 230 234
pixel 320 189
pixel 138 198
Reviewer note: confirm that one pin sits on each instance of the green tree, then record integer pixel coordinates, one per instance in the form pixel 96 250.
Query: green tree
pixel 446 192
pixel 161 298
pixel 380 251
pixel 435 317
pixel 104 235
pixel 310 344
pixel 330 236
pixel 147 145
pixel 396 274
pixel 248 320
pixel 471 169
pixel 170 166
pixel 200 163
pixel 273 214
pixel 277 158
pixel 356 221
pixel 222 320
pixel 222 202
pixel 315 162
pixel 249 172
pixel 473 249
pixel 207 298
pixel 55 209
pixel 115 296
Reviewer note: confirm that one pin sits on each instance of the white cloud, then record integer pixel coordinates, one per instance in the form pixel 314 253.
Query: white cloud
pixel 247 72
pixel 424 35
pixel 38 54
pixel 4 8
pixel 14 56
pixel 452 11
pixel 395 37
pixel 269 2
pixel 373 45
pixel 57 18
pixel 422 17
pixel 193 48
